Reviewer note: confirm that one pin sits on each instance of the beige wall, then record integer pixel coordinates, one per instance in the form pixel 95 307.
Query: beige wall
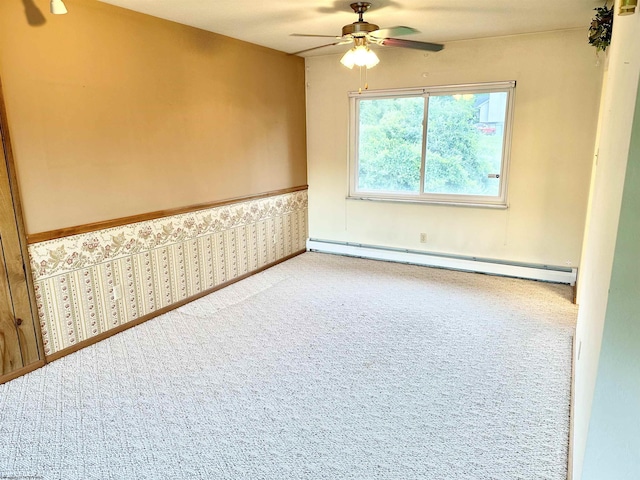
pixel 620 93
pixel 556 106
pixel 114 113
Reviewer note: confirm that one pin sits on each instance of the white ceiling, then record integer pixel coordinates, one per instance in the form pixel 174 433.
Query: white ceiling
pixel 270 22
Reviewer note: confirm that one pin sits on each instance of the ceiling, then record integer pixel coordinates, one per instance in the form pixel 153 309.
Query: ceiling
pixel 270 22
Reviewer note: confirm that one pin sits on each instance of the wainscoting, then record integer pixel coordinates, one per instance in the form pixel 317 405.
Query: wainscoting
pixel 91 283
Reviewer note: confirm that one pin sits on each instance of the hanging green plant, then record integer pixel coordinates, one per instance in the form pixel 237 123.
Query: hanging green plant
pixel 601 27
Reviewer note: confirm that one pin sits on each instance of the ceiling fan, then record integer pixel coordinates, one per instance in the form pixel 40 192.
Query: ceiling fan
pixel 362 34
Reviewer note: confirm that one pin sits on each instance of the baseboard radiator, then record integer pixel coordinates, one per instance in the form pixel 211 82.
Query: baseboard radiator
pixel 468 264
pixel 91 283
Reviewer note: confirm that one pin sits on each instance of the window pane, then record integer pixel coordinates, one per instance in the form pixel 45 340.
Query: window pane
pixel 465 134
pixel 390 146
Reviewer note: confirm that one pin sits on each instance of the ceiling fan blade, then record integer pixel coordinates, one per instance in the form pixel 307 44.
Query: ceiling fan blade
pixel 393 32
pixel 396 42
pixel 316 48
pixel 316 36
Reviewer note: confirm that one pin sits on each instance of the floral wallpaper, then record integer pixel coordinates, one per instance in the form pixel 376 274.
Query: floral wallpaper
pixel 77 251
pixel 89 283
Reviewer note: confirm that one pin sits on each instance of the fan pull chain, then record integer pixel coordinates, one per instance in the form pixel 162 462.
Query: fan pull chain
pixel 366 82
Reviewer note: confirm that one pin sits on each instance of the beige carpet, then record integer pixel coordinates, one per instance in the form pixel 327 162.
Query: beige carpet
pixel 323 367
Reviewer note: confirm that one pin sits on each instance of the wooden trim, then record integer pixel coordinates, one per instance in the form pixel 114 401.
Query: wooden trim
pixel 121 328
pixel 22 371
pixel 117 222
pixel 32 354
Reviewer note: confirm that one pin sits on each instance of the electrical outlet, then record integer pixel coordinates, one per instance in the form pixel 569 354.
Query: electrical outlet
pixel 117 292
pixel 423 238
pixel 275 239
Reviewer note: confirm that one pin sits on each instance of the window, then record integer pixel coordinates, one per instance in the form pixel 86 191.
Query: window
pixel 438 145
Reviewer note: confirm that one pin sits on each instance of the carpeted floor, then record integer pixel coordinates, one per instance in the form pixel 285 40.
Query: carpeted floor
pixel 323 367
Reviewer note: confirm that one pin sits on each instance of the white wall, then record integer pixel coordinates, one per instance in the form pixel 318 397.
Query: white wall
pixel 557 98
pixel 613 443
pixel 617 116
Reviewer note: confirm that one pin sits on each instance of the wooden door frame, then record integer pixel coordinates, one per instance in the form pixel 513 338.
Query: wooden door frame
pixel 33 356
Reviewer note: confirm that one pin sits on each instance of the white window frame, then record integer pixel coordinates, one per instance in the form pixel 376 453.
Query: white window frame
pixel 499 201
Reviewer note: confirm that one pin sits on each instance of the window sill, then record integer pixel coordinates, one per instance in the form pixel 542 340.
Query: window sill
pixel 445 203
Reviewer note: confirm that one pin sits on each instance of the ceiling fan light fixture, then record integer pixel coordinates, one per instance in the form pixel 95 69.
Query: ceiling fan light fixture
pixel 363 34
pixel 347 59
pixel 360 55
pixel 57 7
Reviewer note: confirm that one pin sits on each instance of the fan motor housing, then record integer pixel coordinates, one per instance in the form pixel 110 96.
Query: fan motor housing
pixel 359 28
